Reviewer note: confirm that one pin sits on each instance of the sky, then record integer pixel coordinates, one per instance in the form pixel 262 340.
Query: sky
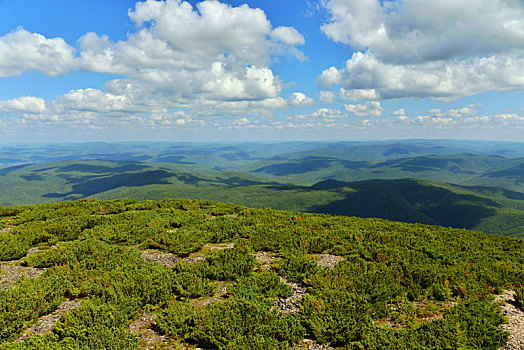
pixel 260 70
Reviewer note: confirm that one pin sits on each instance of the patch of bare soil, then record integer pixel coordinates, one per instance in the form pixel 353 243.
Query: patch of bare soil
pixel 159 257
pixel 291 304
pixel 515 325
pixel 213 217
pixel 329 261
pixel 46 323
pixel 266 259
pixel 11 273
pixel 5 230
pixel 219 246
pixel 170 260
pixel 424 313
pixel 148 338
pixel 308 344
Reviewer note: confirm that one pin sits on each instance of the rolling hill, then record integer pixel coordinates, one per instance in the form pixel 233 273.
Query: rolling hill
pixel 462 169
pixel 488 209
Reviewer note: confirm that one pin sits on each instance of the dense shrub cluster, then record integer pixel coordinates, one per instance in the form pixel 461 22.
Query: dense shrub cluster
pixel 400 286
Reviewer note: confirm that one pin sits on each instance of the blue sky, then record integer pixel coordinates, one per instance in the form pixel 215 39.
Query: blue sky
pixel 74 71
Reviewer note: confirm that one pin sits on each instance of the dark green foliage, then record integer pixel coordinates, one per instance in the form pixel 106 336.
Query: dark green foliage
pixel 236 323
pixel 519 297
pixel 394 277
pixel 296 267
pixel 266 284
pixel 96 325
pixel 222 265
pixel 339 317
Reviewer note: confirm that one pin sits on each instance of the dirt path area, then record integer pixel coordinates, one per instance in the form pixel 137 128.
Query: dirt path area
pixel 515 325
pixel 329 261
pixel 308 344
pixel 46 323
pixel 291 304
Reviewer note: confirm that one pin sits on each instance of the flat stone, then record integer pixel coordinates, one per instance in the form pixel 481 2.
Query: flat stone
pixel 46 323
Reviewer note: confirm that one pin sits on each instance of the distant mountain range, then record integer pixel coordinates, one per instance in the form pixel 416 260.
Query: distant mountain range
pixel 480 188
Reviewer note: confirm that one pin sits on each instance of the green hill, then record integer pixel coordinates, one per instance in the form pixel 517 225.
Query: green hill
pixel 487 209
pixel 233 156
pixel 128 274
pixel 462 169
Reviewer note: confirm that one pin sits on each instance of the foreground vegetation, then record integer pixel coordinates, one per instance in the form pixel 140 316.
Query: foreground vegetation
pixel 398 286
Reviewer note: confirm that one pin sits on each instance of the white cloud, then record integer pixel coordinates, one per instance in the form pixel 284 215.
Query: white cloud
pixel 215 29
pixel 22 51
pixel 439 49
pixel 365 75
pixel 415 31
pixel 399 112
pixel 325 114
pixel 327 96
pixel 24 104
pixel 215 54
pixel 358 94
pixel 329 113
pixel 288 35
pixel 369 109
pixel 456 113
pixel 298 99
pixel 94 100
pixel 211 59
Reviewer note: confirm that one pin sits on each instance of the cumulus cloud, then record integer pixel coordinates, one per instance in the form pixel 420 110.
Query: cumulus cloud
pixel 415 31
pixel 212 52
pixel 414 48
pixel 399 112
pixel 24 104
pixel 370 109
pixel 325 114
pixel 210 58
pixel 358 94
pixel 455 113
pixel 288 35
pixel 365 75
pixel 298 99
pixel 214 57
pixel 22 51
pixel 327 96
pixel 94 100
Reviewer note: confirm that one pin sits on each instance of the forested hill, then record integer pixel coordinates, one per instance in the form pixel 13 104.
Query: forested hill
pixel 127 274
pixel 489 209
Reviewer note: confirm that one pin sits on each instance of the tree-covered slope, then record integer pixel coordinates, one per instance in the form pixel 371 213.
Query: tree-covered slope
pixel 462 169
pixel 221 276
pixel 482 208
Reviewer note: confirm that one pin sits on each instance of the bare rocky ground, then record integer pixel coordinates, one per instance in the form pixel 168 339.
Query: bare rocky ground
pixel 218 246
pixel 213 217
pixel 328 261
pixel 11 271
pixel 265 259
pixel 291 304
pixel 160 257
pixel 148 338
pixel 5 230
pixel 170 260
pixel 46 323
pixel 515 325
pixel 308 344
